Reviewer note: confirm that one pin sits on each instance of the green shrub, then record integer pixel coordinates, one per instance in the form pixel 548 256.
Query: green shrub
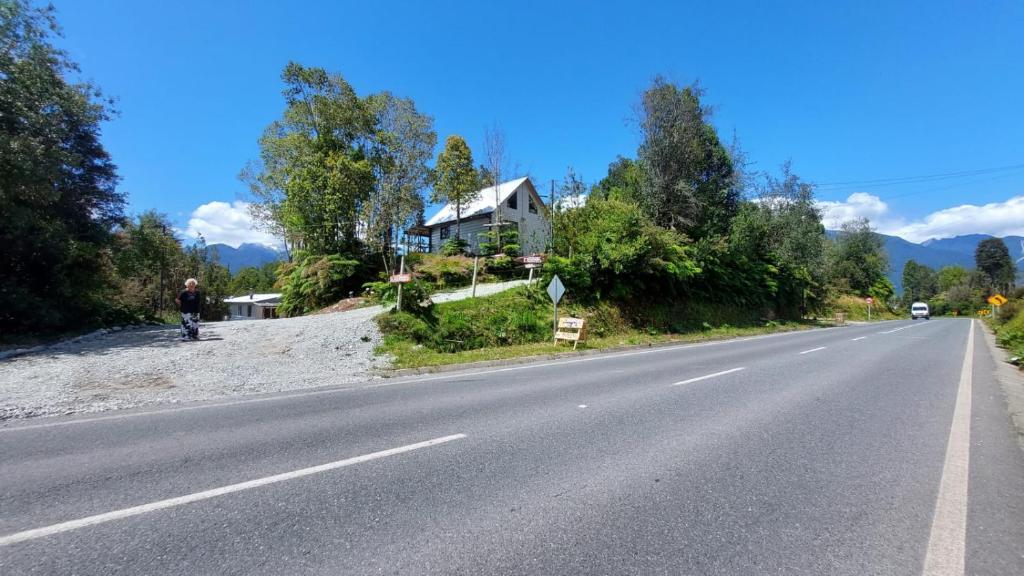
pixel 454 247
pixel 1011 333
pixel 314 282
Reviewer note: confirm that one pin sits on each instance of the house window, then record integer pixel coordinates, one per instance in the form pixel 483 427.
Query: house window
pixel 248 311
pixel 531 205
pixel 446 232
pixel 513 201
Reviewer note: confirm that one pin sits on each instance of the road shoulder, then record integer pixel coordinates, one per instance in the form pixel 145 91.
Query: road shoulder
pixel 1011 381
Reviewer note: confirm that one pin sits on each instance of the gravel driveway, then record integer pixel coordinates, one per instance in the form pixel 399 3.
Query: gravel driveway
pixel 151 365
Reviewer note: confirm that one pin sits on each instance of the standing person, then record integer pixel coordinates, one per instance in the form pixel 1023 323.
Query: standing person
pixel 189 302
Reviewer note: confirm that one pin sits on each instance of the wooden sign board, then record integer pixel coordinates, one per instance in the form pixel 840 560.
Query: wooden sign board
pixel 400 278
pixel 571 330
pixel 531 259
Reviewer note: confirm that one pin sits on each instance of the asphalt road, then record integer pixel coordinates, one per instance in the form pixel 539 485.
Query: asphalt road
pixel 873 449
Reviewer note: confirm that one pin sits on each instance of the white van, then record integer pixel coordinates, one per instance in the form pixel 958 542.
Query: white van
pixel 919 310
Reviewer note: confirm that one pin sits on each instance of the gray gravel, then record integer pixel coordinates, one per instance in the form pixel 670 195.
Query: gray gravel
pixel 150 365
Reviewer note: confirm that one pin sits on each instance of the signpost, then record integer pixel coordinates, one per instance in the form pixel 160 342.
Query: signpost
pixel 400 278
pixel 870 301
pixel 996 300
pixel 531 263
pixel 555 290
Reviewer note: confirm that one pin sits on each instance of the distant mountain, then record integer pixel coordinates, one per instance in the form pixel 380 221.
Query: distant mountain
pixel 939 252
pixel 245 255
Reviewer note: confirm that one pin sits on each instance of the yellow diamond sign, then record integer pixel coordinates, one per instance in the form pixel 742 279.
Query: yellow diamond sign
pixel 997 300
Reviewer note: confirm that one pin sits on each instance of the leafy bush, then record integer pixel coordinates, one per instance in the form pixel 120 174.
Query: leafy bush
pixel 314 282
pixel 512 317
pixel 1011 333
pixel 454 247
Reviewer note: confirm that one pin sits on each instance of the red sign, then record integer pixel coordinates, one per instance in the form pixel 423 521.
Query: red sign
pixel 400 278
pixel 870 300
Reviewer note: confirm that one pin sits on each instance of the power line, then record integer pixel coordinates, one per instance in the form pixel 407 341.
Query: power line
pixel 920 179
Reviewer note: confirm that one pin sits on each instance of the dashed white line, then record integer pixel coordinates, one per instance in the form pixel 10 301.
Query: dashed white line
pixel 706 376
pixel 187 499
pixel 861 338
pixel 582 406
pixel 947 540
pixel 814 349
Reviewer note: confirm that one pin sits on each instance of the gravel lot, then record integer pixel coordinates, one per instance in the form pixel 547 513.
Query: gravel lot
pixel 151 365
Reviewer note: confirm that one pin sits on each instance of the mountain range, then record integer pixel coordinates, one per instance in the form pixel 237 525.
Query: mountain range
pixel 939 252
pixel 245 255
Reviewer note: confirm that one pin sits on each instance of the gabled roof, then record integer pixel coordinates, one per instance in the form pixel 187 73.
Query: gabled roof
pixel 255 299
pixel 484 203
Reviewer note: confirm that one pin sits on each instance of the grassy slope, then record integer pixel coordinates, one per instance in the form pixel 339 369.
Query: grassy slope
pixel 516 324
pixel 857 310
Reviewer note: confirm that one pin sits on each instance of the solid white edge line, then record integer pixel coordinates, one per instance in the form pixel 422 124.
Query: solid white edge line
pixel 397 382
pixel 947 540
pixel 206 494
pixel 705 377
pixel 814 349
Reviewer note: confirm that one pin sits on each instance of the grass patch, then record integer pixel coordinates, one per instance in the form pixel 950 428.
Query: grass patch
pixel 517 323
pixel 856 310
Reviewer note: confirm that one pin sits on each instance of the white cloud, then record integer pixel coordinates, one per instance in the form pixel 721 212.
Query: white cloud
pixel 857 205
pixel 231 224
pixel 998 218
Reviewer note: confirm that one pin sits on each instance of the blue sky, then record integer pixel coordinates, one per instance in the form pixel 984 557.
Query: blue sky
pixel 849 91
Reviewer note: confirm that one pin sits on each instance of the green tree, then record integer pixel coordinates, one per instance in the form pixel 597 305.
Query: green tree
pixel 314 174
pixel 920 282
pixel 949 276
pixel 623 182
pixel 689 182
pixel 783 229
pixel 455 179
pixel 403 143
pixel 992 258
pixel 58 197
pixel 858 259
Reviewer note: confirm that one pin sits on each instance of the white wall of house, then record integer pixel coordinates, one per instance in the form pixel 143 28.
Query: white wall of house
pixel 533 225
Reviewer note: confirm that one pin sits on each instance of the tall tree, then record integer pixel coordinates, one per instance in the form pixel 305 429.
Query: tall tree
pixel 58 196
pixel 919 282
pixel 403 143
pixel 992 258
pixel 495 170
pixel 314 174
pixel 858 258
pixel 455 179
pixel 689 181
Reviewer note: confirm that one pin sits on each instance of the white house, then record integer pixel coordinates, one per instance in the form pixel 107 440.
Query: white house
pixel 517 202
pixel 253 306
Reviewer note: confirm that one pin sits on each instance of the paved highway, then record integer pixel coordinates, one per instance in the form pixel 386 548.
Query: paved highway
pixel 871 449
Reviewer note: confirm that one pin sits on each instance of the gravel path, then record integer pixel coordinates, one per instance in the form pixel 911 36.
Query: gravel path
pixel 151 365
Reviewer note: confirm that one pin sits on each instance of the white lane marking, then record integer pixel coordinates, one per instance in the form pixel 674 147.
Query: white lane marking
pixel 947 541
pixel 861 338
pixel 706 376
pixel 450 376
pixel 905 327
pixel 582 406
pixel 814 349
pixel 206 494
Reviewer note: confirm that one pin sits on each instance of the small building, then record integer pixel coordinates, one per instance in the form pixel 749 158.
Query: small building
pixel 253 306
pixel 517 204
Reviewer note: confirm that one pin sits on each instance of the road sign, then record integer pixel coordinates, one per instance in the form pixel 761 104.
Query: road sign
pixel 532 266
pixel 870 300
pixel 997 300
pixel 400 278
pixel 556 289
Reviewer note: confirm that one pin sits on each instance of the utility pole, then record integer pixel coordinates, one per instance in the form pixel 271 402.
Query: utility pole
pixel 551 211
